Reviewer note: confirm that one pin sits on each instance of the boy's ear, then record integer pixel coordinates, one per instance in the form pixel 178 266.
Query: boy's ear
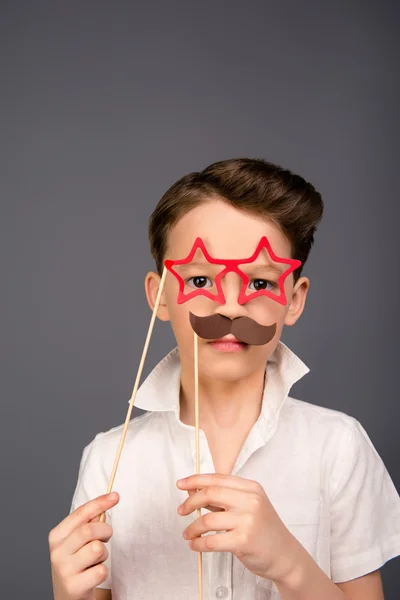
pixel 298 300
pixel 152 285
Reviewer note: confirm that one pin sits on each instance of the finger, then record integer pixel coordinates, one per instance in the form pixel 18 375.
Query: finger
pixel 209 507
pixel 96 519
pixel 82 514
pixel 86 581
pixel 199 481
pixel 91 554
pixel 219 542
pixel 222 521
pixel 216 496
pixel 85 534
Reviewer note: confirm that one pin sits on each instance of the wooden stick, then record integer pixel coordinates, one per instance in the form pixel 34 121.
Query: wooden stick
pixel 135 388
pixel 196 404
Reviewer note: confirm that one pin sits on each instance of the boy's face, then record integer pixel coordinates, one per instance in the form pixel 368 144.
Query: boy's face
pixel 228 233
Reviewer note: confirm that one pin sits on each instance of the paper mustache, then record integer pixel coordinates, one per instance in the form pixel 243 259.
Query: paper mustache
pixel 247 330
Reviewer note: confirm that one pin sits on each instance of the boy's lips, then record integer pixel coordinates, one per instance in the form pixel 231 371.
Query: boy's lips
pixel 228 343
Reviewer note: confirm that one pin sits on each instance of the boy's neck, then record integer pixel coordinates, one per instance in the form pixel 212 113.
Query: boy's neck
pixel 223 406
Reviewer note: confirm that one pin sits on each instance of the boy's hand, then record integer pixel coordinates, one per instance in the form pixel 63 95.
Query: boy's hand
pixel 76 552
pixel 254 533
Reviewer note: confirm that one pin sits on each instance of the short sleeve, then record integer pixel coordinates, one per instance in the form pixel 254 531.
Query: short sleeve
pixel 92 482
pixel 365 509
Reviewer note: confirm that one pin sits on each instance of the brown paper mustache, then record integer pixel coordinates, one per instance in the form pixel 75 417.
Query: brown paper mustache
pixel 246 330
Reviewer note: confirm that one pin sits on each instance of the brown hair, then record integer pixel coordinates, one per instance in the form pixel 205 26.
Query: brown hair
pixel 253 185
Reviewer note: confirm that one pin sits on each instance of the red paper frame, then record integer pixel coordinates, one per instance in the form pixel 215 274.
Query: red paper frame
pixel 232 265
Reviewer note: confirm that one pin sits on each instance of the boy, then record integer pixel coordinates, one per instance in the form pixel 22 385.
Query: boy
pixel 296 502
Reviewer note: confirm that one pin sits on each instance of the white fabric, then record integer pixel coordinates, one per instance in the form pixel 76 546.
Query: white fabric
pixel 318 467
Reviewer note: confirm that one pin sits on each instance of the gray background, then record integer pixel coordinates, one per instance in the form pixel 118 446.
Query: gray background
pixel 103 106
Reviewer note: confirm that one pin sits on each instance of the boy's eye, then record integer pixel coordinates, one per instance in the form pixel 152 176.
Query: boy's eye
pixel 261 284
pixel 199 282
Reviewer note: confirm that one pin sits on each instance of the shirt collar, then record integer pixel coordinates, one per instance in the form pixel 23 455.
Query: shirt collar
pixel 160 391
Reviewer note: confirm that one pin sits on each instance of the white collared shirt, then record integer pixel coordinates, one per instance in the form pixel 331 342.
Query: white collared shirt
pixel 318 467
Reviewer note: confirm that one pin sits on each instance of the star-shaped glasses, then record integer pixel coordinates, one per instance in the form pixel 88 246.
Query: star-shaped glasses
pixel 232 265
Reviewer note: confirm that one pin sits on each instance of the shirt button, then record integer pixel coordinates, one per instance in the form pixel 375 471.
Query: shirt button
pixel 221 592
